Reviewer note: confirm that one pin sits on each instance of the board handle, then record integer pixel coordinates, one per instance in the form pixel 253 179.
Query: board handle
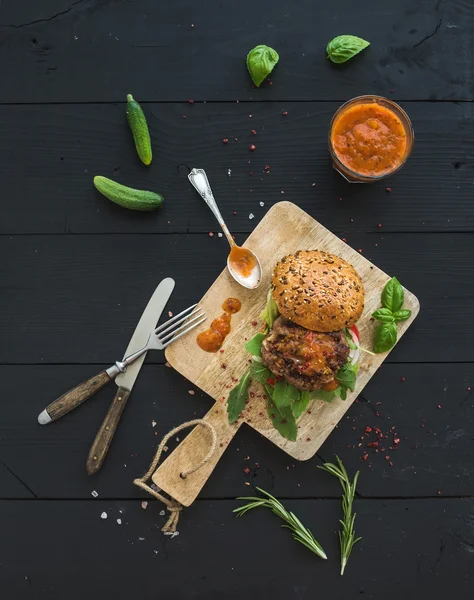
pixel 194 447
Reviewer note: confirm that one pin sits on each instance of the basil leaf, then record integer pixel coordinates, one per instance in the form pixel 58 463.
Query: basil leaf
pixel 237 397
pixel 260 373
pixel 384 315
pixel 324 395
pixel 260 63
pixel 385 337
pixel 347 376
pixel 284 394
pixel 254 346
pixel 300 405
pixel 270 312
pixel 402 315
pixel 344 47
pixel 393 295
pixel 282 418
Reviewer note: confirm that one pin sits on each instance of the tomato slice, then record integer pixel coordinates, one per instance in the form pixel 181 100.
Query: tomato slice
pixel 355 330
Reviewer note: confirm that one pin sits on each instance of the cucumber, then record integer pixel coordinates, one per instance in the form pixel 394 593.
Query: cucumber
pixel 141 135
pixel 126 196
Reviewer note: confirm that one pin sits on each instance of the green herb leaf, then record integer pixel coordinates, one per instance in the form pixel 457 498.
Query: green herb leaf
pixel 347 376
pixel 347 537
pixel 237 397
pixel 260 373
pixel 344 47
pixel 282 418
pixel 284 394
pixel 261 62
pixel 254 346
pixel 384 315
pixel 393 295
pixel 402 315
pixel 270 312
pixel 350 339
pixel 300 404
pixel 385 337
pixel 325 395
pixel 300 532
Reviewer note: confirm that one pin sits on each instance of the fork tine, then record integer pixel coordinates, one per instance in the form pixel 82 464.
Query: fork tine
pixel 169 334
pixel 173 319
pixel 194 313
pixel 189 328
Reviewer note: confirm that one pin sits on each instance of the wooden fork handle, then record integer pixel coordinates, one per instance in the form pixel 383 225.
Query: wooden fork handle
pixel 190 451
pixel 103 439
pixel 70 400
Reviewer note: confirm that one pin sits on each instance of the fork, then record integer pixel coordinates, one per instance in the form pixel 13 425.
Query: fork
pixel 159 339
pixel 163 336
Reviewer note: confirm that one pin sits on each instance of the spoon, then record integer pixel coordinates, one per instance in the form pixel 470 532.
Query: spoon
pixel 242 263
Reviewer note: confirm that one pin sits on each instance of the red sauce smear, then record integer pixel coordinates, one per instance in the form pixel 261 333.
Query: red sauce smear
pixel 242 261
pixel 212 339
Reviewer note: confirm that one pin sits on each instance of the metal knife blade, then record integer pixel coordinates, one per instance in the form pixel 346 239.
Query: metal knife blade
pixel 146 325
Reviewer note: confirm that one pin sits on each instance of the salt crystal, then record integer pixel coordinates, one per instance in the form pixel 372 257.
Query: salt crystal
pixel 162 513
pixel 103 515
pixel 220 234
pixel 282 192
pixel 94 493
pixel 170 314
pixel 191 392
pixel 141 539
pixel 153 423
pixel 251 216
pixel 177 439
pixel 119 521
pixel 229 172
pixel 154 486
pixel 144 504
pixel 262 203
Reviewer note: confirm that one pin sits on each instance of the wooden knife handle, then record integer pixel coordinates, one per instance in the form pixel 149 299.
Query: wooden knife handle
pixel 190 451
pixel 104 436
pixel 65 403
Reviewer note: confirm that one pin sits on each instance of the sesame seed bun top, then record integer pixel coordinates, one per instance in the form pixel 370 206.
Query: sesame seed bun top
pixel 318 290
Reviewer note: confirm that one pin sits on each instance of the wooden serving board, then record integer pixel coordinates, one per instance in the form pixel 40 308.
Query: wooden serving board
pixel 285 229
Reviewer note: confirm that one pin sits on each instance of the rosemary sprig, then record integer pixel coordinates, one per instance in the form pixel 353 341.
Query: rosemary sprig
pixel 299 531
pixel 347 537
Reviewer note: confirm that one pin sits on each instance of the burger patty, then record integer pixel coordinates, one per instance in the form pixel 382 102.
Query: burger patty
pixel 306 359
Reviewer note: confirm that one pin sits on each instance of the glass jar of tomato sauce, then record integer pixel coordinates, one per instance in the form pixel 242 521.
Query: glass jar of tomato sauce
pixel 370 138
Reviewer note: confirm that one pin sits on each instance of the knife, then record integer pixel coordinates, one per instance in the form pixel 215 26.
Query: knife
pixel 125 380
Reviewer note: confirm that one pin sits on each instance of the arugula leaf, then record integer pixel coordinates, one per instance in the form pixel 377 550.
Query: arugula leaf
pixel 342 392
pixel 237 397
pixel 384 315
pixel 350 341
pixel 344 47
pixel 325 395
pixel 260 373
pixel 300 404
pixel 254 346
pixel 346 376
pixel 385 337
pixel 393 295
pixel 270 312
pixel 284 394
pixel 402 315
pixel 261 62
pixel 282 418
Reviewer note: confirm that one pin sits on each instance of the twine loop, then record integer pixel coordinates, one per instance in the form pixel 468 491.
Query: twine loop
pixel 173 506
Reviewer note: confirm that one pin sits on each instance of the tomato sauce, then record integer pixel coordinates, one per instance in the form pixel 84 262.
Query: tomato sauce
pixel 369 139
pixel 243 262
pixel 212 339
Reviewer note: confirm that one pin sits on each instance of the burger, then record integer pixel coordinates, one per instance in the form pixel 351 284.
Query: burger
pixel 314 302
pixel 310 347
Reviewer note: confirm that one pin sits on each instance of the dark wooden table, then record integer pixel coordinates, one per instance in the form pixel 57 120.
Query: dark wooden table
pixel 76 272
